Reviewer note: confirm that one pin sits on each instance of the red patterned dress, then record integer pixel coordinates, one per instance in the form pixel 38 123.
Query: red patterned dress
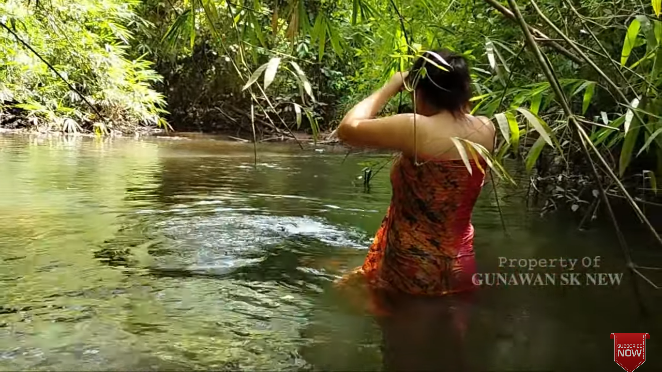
pixel 425 243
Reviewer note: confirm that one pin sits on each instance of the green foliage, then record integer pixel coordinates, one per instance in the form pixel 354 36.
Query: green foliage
pixel 86 42
pixel 299 65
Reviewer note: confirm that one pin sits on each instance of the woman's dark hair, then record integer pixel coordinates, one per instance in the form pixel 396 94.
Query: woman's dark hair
pixel 448 89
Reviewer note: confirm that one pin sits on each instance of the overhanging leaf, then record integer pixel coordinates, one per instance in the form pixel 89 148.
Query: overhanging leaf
pixel 489 49
pixel 487 157
pixel 538 124
pixel 588 95
pixel 503 125
pixel 304 80
pixel 581 87
pixel 463 153
pixel 652 179
pixel 255 76
pixel 270 74
pixel 657 6
pixel 297 110
pixel 514 130
pixel 630 40
pixel 474 156
pixel 630 114
pixel 627 149
pixel 650 140
pixel 439 58
pixel 536 100
pixel 534 153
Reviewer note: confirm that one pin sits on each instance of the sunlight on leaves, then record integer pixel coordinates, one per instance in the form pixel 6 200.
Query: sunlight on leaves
pixel 630 40
pixel 538 124
pixel 463 153
pixel 270 74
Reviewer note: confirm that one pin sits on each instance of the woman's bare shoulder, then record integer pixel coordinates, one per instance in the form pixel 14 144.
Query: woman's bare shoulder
pixel 486 121
pixel 484 132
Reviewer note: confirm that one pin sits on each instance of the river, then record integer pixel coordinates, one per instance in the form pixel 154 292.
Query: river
pixel 171 254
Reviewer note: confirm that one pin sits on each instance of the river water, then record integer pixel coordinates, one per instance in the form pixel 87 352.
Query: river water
pixel 165 254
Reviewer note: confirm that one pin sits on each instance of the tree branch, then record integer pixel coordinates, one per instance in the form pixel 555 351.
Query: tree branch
pixel 543 38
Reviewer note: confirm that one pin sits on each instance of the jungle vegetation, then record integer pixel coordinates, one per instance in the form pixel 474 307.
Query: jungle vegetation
pixel 573 86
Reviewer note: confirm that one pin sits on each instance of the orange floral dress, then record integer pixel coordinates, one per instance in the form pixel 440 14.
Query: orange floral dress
pixel 424 245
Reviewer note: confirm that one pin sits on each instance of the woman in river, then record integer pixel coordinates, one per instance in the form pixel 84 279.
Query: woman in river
pixel 420 264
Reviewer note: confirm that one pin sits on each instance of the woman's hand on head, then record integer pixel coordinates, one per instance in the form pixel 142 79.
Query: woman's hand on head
pixel 397 81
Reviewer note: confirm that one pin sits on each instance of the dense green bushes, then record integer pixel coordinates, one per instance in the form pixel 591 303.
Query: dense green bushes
pixel 87 43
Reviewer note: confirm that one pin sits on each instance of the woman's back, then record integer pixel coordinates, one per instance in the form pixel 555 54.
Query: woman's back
pixel 425 243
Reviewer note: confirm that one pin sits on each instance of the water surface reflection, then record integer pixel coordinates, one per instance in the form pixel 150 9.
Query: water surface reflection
pixel 124 254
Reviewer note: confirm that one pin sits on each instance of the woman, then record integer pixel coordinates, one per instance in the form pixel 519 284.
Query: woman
pixel 424 247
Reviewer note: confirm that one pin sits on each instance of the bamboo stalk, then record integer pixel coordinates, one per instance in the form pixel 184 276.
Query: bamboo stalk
pixel 508 14
pixel 254 135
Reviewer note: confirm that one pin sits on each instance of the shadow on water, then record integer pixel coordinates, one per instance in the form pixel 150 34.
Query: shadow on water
pixel 171 255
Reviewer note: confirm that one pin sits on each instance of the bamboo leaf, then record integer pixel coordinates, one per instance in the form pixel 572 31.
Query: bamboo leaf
pixel 536 100
pixel 304 80
pixel 463 153
pixel 503 60
pixel 581 87
pixel 652 179
pixel 630 40
pixel 492 163
pixel 433 63
pixel 534 153
pixel 627 149
pixel 514 130
pixel 297 110
pixel 270 74
pixel 588 95
pixel 177 27
pixel 487 157
pixel 538 124
pixel 303 21
pixel 335 39
pixel 502 120
pixel 474 156
pixel 212 15
pixel 605 133
pixel 649 141
pixel 313 124
pixel 255 76
pixel 489 49
pixel 318 28
pixel 322 43
pixel 653 182
pixel 657 6
pixel 502 151
pixel 439 58
pixel 630 114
